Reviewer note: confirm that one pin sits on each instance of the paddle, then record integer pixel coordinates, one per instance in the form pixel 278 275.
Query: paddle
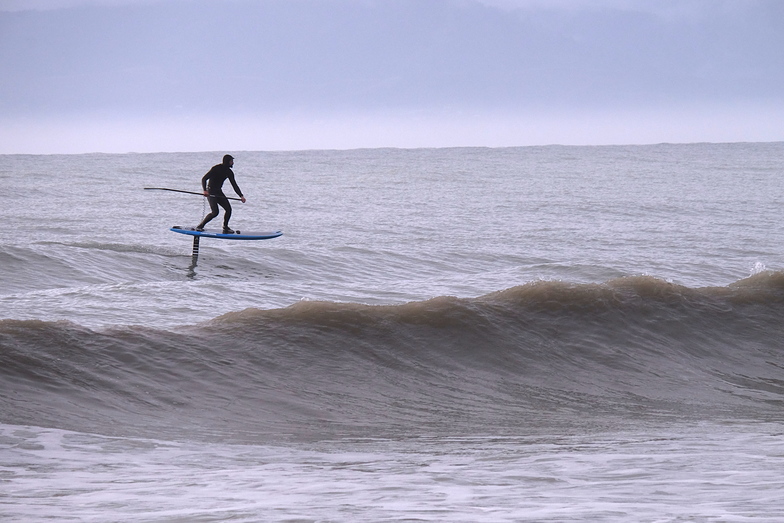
pixel 186 192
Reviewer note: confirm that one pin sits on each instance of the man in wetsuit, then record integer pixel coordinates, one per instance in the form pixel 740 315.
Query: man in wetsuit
pixel 212 185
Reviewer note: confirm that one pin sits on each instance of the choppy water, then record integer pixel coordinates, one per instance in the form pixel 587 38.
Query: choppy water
pixel 621 477
pixel 525 334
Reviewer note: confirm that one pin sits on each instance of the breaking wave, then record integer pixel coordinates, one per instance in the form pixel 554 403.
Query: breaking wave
pixel 518 360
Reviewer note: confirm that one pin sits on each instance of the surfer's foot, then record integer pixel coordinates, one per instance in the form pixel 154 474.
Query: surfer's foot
pixel 226 230
pixel 199 228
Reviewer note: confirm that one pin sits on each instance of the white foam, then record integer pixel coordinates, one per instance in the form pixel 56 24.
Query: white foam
pixel 706 473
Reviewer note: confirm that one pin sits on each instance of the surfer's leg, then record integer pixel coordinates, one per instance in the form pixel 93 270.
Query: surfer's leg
pixel 224 202
pixel 211 215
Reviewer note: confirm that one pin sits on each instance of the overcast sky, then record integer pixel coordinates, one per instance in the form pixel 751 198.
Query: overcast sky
pixel 190 75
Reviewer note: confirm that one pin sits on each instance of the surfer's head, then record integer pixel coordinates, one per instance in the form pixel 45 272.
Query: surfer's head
pixel 228 159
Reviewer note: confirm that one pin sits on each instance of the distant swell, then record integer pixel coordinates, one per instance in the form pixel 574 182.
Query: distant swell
pixel 513 361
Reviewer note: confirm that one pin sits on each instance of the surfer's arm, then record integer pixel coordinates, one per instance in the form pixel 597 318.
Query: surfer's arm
pixel 236 187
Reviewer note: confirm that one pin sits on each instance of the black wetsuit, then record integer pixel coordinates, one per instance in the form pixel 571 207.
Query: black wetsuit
pixel 213 182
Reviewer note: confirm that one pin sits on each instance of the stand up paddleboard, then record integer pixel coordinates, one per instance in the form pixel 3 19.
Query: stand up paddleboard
pixel 213 233
pixel 218 233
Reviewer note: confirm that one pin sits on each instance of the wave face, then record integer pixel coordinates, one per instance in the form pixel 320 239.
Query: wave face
pixel 530 358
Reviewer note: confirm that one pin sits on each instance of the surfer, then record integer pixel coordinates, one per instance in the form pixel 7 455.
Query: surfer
pixel 212 186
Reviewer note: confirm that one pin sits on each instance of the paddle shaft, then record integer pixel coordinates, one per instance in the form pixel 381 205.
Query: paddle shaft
pixel 186 192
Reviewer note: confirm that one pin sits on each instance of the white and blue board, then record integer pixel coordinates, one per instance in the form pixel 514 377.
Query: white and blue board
pixel 218 233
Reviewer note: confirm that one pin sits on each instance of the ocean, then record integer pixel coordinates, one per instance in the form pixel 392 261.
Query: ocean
pixel 532 334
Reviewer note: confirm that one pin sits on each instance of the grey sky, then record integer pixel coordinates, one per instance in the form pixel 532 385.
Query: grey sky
pixel 126 75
